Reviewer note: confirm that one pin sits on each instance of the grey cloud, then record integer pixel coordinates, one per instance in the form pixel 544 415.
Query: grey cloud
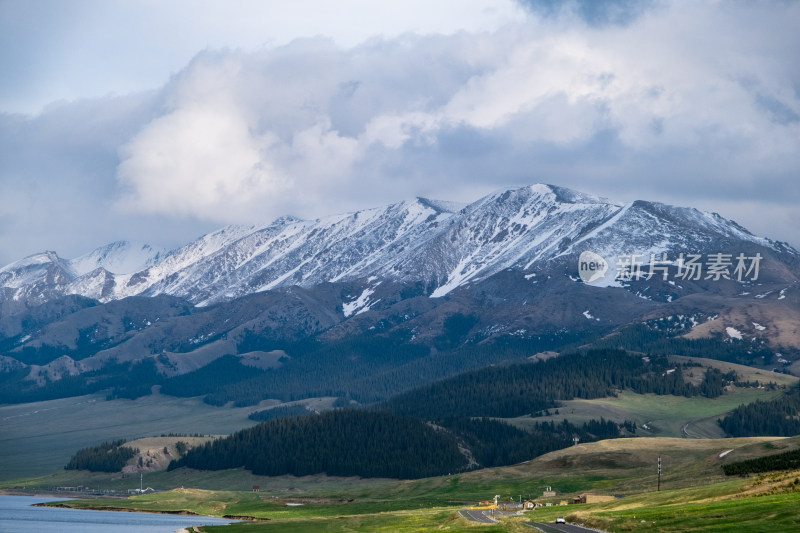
pixel 593 12
pixel 57 180
pixel 625 110
pixel 779 111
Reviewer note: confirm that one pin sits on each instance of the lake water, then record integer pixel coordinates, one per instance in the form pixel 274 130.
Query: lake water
pixel 17 516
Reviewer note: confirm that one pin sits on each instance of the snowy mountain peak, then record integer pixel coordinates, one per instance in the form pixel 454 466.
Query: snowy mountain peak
pixel 570 196
pixel 441 245
pixel 33 261
pixel 286 220
pixel 536 197
pixel 441 205
pixel 33 276
pixel 121 257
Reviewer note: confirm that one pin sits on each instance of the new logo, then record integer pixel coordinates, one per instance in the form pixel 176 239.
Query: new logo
pixel 591 267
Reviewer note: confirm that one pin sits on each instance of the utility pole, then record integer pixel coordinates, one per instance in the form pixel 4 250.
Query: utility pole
pixel 659 474
pixel 141 481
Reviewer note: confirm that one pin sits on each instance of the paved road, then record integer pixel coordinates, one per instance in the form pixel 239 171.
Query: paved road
pixel 685 431
pixel 477 515
pixel 559 528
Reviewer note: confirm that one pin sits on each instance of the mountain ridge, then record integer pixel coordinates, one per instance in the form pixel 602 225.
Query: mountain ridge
pixel 427 273
pixel 442 244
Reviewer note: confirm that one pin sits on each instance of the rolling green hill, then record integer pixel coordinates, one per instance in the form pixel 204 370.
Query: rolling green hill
pixel 30 449
pixel 695 494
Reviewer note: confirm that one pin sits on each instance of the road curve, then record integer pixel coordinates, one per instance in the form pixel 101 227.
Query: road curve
pixel 547 527
pixel 477 515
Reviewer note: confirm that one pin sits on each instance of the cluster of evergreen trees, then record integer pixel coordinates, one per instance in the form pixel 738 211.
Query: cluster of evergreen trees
pixel 367 443
pixel 521 389
pixel 124 380
pixel 107 457
pixel 645 338
pixel 134 380
pixel 781 461
pixel 16 388
pixel 339 443
pixel 279 412
pixel 495 443
pixel 715 381
pixel 367 368
pixel 218 373
pixel 419 433
pixel 779 417
pixel 396 439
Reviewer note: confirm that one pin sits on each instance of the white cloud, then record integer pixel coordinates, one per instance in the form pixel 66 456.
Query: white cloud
pixel 197 160
pixel 695 104
pixel 294 128
pixel 52 50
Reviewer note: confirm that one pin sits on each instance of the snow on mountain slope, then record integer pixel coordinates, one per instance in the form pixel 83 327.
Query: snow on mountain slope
pixel 296 252
pixel 646 229
pixel 121 257
pixel 181 260
pixel 508 229
pixel 35 277
pixel 443 245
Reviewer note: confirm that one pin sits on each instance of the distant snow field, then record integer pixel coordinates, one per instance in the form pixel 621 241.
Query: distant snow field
pixel 733 333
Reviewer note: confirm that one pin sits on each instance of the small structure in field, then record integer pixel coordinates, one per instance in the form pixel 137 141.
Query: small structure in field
pixel 592 498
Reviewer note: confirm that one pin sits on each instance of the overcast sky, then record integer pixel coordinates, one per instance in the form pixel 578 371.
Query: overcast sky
pixel 156 121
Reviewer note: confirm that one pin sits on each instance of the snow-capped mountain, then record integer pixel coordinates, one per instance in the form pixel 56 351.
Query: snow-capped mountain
pixel 441 245
pixel 121 257
pixel 429 273
pixel 236 261
pixel 43 276
pixel 35 278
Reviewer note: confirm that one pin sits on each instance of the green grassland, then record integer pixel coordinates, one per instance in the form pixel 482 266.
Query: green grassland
pixel 38 438
pixel 743 372
pixel 673 416
pixel 624 466
pixel 726 506
pixel 769 502
pixel 666 416
pixel 694 492
pixel 399 522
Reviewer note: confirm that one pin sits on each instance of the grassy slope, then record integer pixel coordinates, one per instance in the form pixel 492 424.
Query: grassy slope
pixel 693 490
pixel 624 466
pixel 666 415
pixel 38 438
pixel 743 372
pixel 744 505
pixel 673 416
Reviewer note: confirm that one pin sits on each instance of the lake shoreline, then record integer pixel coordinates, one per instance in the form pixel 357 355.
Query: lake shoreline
pixel 42 514
pixel 181 512
pixel 115 509
pixel 55 494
